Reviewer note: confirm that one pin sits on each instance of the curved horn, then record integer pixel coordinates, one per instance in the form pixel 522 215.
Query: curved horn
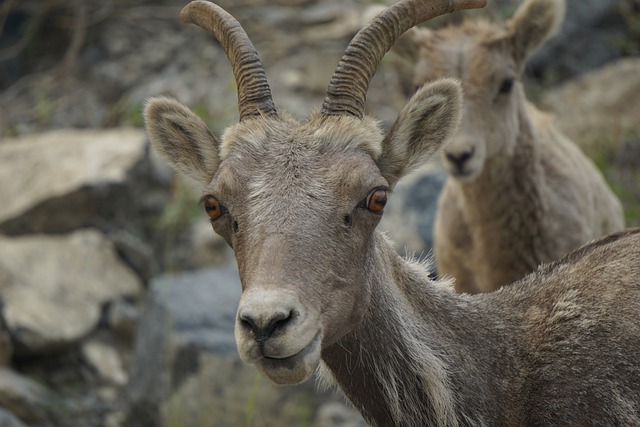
pixel 347 89
pixel 254 94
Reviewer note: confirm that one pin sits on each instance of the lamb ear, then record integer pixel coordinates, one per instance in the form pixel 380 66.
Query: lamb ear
pixel 428 120
pixel 179 136
pixel 533 23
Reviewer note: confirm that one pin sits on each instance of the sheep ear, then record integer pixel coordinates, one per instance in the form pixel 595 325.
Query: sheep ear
pixel 428 120
pixel 533 23
pixel 179 136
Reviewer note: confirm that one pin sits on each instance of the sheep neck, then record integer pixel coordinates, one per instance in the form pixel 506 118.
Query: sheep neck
pixel 505 201
pixel 391 366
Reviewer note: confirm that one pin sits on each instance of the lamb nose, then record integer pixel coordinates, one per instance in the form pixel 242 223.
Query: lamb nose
pixel 459 159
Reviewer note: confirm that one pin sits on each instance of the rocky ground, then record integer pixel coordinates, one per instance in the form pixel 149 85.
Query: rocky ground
pixel 117 300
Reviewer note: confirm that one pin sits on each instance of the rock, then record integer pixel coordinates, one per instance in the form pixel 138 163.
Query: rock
pixel 186 371
pixel 335 414
pixel 121 319
pixel 24 398
pixel 135 252
pixel 76 179
pixel 183 315
pixel 411 211
pixel 6 346
pixel 227 392
pixel 598 27
pixel 115 419
pixel 600 104
pixel 53 287
pixel 102 355
pixel 79 397
pixel 205 248
pixel 326 21
pixel 8 420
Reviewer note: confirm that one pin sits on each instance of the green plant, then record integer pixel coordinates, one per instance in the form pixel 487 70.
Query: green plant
pixel 251 400
pixel 178 214
pixel 134 116
pixel 629 42
pixel 44 110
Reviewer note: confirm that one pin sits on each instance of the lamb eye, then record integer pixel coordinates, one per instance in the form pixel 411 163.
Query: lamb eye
pixel 376 200
pixel 506 86
pixel 213 207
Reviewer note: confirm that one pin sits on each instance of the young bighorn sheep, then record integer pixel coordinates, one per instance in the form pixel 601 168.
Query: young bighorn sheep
pixel 519 192
pixel 299 202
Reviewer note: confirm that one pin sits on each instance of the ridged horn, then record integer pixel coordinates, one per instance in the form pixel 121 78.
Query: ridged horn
pixel 347 89
pixel 254 94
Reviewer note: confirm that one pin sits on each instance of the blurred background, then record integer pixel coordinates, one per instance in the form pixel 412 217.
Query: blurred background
pixel 116 299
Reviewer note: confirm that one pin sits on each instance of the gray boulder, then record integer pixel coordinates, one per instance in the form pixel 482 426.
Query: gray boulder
pixel 6 346
pixel 60 181
pixel 336 414
pixel 53 288
pixel 601 104
pixel 24 399
pixel 185 369
pixel 101 352
pixel 593 33
pixel 62 176
pixel 8 420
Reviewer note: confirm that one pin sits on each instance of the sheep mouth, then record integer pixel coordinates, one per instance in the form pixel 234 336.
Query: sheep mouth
pixel 293 369
pixel 464 174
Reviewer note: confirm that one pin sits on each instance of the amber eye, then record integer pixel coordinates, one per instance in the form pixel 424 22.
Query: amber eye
pixel 213 207
pixel 377 200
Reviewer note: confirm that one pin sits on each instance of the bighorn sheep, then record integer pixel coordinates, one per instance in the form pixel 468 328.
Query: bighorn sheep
pixel 299 202
pixel 519 192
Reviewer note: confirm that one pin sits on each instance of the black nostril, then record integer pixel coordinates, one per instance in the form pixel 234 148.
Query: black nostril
pixel 460 158
pixel 263 332
pixel 247 322
pixel 466 155
pixel 278 322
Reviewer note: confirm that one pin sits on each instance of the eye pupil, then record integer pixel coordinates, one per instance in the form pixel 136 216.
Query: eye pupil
pixel 377 200
pixel 212 207
pixel 506 86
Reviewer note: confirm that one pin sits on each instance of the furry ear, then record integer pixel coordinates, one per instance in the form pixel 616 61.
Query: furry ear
pixel 533 23
pixel 179 136
pixel 429 119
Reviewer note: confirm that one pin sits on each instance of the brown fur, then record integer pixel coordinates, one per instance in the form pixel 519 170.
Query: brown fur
pixel 526 194
pixel 324 291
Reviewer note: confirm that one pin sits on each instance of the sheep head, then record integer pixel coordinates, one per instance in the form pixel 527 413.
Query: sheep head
pixel 298 201
pixel 489 60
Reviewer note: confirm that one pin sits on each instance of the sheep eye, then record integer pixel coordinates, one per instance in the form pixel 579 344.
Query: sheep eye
pixel 506 86
pixel 376 200
pixel 213 207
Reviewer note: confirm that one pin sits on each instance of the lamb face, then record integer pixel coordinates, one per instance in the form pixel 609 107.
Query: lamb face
pixel 488 60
